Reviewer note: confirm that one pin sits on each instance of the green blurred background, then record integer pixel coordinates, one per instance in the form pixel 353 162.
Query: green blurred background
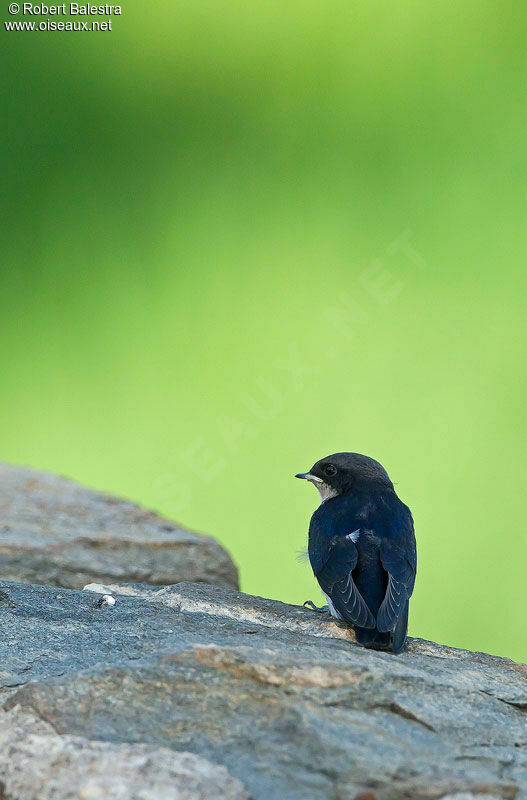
pixel 243 235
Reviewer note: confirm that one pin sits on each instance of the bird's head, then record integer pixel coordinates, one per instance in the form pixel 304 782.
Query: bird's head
pixel 342 472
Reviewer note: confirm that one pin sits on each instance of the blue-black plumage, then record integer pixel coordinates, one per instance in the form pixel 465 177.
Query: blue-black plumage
pixel 362 548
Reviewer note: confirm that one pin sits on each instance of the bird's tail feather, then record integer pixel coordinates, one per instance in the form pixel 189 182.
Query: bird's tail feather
pixel 372 638
pixel 400 631
pixel 379 640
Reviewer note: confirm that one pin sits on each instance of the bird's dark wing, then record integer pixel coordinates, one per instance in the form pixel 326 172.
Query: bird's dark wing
pixel 336 580
pixel 400 562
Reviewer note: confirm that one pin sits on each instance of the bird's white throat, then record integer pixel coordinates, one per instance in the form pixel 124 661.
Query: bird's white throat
pixel 325 491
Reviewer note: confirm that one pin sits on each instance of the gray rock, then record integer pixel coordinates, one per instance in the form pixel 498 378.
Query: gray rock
pixel 53 531
pixel 38 764
pixel 280 696
pixel 469 796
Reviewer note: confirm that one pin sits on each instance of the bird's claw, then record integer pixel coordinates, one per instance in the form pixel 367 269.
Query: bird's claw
pixel 319 609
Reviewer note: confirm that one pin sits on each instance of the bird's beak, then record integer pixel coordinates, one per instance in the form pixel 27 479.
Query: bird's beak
pixel 307 476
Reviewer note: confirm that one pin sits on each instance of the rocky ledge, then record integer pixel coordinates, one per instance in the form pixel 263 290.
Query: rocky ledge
pixel 194 691
pixel 56 532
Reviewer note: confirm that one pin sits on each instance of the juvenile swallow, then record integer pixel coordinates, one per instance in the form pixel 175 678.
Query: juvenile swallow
pixel 362 548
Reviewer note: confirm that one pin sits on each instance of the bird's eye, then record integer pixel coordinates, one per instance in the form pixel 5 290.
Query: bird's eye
pixel 330 470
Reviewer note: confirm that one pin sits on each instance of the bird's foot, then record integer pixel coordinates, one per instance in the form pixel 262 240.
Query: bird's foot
pixel 319 609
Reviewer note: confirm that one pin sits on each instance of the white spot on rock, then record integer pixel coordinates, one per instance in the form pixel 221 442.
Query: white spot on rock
pixel 107 599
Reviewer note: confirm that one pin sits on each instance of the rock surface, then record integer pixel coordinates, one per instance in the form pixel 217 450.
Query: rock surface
pixel 270 701
pixel 36 763
pixel 54 531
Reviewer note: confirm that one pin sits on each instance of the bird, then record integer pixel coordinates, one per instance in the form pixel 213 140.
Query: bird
pixel 362 549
